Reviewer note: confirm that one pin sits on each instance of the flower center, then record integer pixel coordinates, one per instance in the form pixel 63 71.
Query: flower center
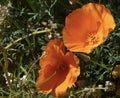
pixel 92 38
pixel 62 67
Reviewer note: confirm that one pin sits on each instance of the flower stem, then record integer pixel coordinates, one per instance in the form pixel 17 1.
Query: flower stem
pixel 101 65
pixel 21 38
pixel 5 67
pixel 47 78
pixel 78 2
pixel 91 89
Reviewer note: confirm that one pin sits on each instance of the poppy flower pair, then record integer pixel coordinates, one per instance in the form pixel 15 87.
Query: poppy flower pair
pixel 85 29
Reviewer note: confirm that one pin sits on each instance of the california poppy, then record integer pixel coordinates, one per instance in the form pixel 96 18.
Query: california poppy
pixel 58 70
pixel 87 27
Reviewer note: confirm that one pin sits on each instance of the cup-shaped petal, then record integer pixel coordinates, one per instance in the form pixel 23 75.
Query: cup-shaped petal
pixel 87 27
pixel 58 70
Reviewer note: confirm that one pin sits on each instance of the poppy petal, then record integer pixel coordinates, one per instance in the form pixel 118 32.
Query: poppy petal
pixel 71 77
pixel 87 27
pixel 57 70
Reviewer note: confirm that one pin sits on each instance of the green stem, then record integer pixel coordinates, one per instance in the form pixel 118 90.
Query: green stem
pixel 47 78
pixel 1 64
pixel 19 27
pixel 78 2
pixel 26 36
pixel 32 66
pixel 91 89
pixel 101 65
pixel 99 78
pixel 5 67
pixel 31 5
pixel 49 11
pixel 83 56
pixel 4 92
pixel 99 1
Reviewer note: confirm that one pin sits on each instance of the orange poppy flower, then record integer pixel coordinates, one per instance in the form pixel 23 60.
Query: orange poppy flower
pixel 87 27
pixel 58 70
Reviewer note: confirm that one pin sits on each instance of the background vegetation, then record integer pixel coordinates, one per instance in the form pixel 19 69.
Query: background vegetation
pixel 26 26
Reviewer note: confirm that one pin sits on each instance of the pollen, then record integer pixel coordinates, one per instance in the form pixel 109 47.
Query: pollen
pixel 92 38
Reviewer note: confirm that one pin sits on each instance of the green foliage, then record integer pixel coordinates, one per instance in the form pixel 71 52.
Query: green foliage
pixel 23 17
